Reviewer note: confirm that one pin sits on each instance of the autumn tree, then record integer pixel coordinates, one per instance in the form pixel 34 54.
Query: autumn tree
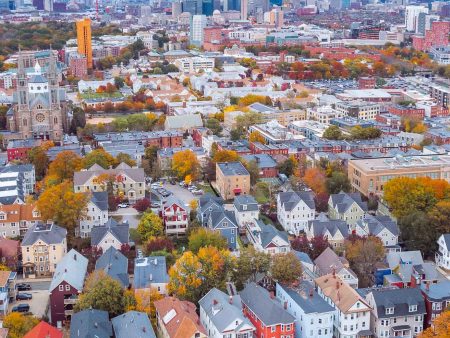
pixel 99 156
pixel 61 204
pixel 203 237
pixel 364 253
pixel 440 327
pixel 64 165
pixel 285 268
pixel 185 163
pixel 185 279
pixel 288 167
pixel 159 244
pixel 337 182
pixel 19 324
pixel 253 169
pixel 256 136
pixel 150 225
pixel 315 179
pixel 101 292
pixel 313 247
pixel 249 99
pixel 124 158
pixel 250 263
pixel 145 302
pixel 38 157
pixel 225 156
pixel 142 204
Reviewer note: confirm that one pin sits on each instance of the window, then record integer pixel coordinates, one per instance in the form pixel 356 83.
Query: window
pixel 273 329
pixel 389 310
pixel 61 288
pixel 412 308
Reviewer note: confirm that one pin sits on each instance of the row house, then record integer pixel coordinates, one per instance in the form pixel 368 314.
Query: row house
pixel 266 238
pixel 96 213
pixel 295 209
pixel 313 315
pixel 127 180
pixel 246 210
pixel 66 285
pixel 335 231
pixel 221 315
pixel 347 207
pixel 159 139
pixel 437 299
pixel 175 216
pixel 43 247
pixel 266 313
pixel 352 318
pixel 396 312
pixel 16 219
pixel 269 149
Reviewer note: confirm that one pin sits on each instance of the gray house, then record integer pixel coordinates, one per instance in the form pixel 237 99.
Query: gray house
pixel 335 231
pixel 90 323
pixel 133 324
pixel 111 234
pixel 396 312
pixel 206 204
pixel 115 264
pixel 151 272
pixel 347 207
pixel 224 221
pixel 246 210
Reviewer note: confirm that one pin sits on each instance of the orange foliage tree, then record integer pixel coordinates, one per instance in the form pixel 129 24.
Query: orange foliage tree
pixel 315 179
pixel 440 328
pixel 64 166
pixel 186 163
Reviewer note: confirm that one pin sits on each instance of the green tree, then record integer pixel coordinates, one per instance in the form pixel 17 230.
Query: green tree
pixel 287 167
pixel 332 133
pixel 102 292
pixel 244 121
pixel 119 82
pixel 337 182
pixel 250 263
pixel 99 156
pixel 150 225
pixel 417 233
pixel 202 237
pixel 214 125
pixel 125 158
pixel 285 268
pixel 253 169
pixel 78 119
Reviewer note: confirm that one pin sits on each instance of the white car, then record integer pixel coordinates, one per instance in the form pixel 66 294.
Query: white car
pixel 123 205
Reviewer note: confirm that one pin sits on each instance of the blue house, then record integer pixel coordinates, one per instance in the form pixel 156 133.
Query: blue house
pixel 225 222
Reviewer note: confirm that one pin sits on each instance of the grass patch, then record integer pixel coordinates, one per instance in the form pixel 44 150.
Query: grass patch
pixel 85 96
pixel 206 189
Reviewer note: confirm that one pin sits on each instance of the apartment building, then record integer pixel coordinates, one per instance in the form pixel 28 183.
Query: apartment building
pixel 368 176
pixel 16 219
pixel 232 179
pixel 360 110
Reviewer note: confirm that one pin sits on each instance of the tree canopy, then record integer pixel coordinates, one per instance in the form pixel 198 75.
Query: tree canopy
pixel 150 225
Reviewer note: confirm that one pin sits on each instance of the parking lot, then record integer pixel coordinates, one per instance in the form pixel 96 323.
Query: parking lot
pixel 38 304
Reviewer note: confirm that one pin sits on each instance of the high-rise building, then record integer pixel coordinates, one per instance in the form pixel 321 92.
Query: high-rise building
pixel 412 16
pixel 436 36
pixel 84 39
pixel 177 9
pixel 232 5
pixel 207 7
pixel 192 6
pixel 424 22
pixel 244 9
pixel 198 23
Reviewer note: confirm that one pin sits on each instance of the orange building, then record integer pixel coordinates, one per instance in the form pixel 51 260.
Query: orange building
pixel 84 39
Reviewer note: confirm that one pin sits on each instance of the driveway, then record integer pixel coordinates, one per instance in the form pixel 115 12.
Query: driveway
pixel 38 304
pixel 127 214
pixel 181 193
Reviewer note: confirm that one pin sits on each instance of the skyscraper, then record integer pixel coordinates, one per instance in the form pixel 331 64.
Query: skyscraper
pixel 192 6
pixel 84 39
pixel 412 16
pixel 232 5
pixel 198 23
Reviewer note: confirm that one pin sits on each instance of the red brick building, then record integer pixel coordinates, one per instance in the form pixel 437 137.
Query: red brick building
pixel 78 66
pixel 366 82
pixel 411 112
pixel 269 149
pixel 276 323
pixel 436 36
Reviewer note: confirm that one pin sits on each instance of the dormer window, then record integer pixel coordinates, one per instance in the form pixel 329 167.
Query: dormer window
pixel 244 207
pixel 389 310
pixel 2 216
pixel 412 308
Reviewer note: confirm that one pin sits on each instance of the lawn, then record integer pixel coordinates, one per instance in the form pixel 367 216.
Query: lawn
pixel 85 96
pixel 206 188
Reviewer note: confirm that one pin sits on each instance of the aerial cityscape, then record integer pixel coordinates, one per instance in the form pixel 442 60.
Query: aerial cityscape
pixel 224 168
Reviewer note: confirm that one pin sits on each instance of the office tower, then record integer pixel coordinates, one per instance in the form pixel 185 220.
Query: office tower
pixel 84 39
pixel 231 5
pixel 177 9
pixel 198 23
pixel 244 9
pixel 192 6
pixel 48 5
pixel 4 5
pixel 424 22
pixel 207 7
pixel 276 17
pixel 412 16
pixel 255 8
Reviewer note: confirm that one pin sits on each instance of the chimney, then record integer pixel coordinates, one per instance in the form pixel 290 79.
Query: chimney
pixel 337 285
pixel 427 284
pixel 334 273
pixel 272 295
pixel 74 257
pixel 230 300
pixel 311 293
pixel 285 305
pixel 215 302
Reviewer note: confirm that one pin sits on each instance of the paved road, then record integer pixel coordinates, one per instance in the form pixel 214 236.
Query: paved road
pixel 181 193
pixel 38 284
pixel 128 214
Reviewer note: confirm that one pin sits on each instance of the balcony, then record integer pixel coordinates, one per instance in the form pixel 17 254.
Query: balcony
pixel 68 312
pixel 68 301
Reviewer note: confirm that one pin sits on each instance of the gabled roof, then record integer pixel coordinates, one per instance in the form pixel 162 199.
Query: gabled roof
pixel 218 215
pixel 374 225
pixel 394 259
pixel 290 199
pixel 217 307
pixel 44 330
pixel 81 177
pixel 245 200
pixel 120 231
pixel 269 232
pixel 48 233
pixel 303 257
pixel 72 269
pixel 262 160
pixel 306 297
pixel 179 317
pixel 437 291
pixel 400 300
pixel 342 201
pixel 328 261
pixel 115 264
pixel 446 238
pixel 208 198
pixel 172 200
pixel 268 310
pixel 340 293
pixel 90 323
pixel 150 270
pixel 133 324
pixel 320 226
pixel 100 199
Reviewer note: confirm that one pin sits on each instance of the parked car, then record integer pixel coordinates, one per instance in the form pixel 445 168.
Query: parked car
pixel 172 181
pixel 154 205
pixel 139 253
pixel 123 205
pixel 197 192
pixel 21 308
pixel 24 296
pixel 23 286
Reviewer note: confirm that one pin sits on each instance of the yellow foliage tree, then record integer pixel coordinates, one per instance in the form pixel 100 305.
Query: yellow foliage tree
pixel 225 156
pixel 19 324
pixel 440 328
pixel 64 166
pixel 256 136
pixel 185 278
pixel 193 204
pixel 145 302
pixel 185 163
